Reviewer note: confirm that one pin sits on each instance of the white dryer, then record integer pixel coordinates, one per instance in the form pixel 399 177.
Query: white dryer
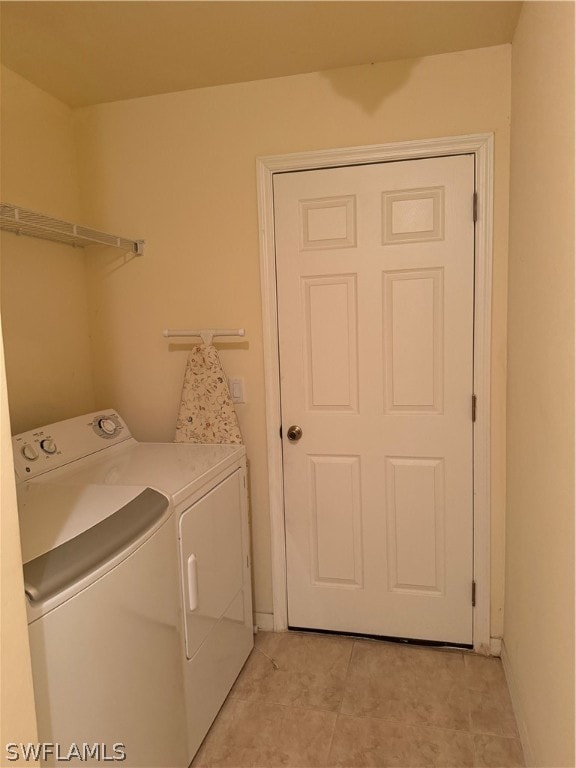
pixel 137 570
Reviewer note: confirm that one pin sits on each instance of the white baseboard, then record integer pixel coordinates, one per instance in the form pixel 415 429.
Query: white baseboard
pixel 517 706
pixel 264 621
pixel 495 646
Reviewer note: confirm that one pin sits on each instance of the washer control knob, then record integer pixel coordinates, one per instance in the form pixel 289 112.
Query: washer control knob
pixel 29 452
pixel 48 445
pixel 107 426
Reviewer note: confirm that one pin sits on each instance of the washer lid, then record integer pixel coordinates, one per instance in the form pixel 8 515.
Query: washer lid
pixel 57 570
pixel 52 514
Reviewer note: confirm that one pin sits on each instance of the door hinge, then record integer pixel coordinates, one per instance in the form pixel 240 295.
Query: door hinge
pixel 475 207
pixel 473 594
pixel 474 406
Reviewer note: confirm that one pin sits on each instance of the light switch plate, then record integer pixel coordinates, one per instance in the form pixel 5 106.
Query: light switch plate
pixel 236 387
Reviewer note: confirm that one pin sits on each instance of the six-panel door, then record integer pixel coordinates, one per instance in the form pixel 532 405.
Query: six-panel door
pixel 375 270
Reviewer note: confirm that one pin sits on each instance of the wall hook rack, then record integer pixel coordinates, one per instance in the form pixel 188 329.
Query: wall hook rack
pixel 206 334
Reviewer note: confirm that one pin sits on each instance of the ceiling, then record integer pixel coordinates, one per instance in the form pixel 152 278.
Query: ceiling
pixel 91 52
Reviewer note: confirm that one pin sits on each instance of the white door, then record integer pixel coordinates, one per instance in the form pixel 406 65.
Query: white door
pixel 375 271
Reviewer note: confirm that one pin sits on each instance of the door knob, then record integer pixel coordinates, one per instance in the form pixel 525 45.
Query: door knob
pixel 294 433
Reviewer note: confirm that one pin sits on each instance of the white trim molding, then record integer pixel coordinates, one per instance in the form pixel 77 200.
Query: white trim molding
pixel 516 706
pixel 264 621
pixel 495 646
pixel 482 147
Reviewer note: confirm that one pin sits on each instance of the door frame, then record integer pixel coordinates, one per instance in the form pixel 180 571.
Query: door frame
pixel 482 147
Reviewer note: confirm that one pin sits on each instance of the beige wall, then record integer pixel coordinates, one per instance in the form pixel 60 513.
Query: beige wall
pixel 539 625
pixel 179 171
pixel 16 693
pixel 43 290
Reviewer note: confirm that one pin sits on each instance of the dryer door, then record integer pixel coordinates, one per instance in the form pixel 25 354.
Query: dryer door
pixel 211 552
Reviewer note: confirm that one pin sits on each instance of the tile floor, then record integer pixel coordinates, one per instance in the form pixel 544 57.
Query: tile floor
pixel 337 701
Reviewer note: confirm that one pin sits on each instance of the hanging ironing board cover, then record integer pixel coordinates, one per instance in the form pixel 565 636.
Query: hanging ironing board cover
pixel 206 413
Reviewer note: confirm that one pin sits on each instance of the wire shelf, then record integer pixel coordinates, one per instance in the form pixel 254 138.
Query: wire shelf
pixel 24 222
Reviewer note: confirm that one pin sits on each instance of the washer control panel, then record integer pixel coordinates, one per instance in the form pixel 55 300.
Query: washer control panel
pixel 107 425
pixel 54 445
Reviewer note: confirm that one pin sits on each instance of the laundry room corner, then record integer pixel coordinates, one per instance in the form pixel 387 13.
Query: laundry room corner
pixel 287 461
pixel 48 363
pixel 179 170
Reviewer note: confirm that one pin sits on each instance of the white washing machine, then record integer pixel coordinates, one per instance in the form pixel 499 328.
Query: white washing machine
pixel 137 573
